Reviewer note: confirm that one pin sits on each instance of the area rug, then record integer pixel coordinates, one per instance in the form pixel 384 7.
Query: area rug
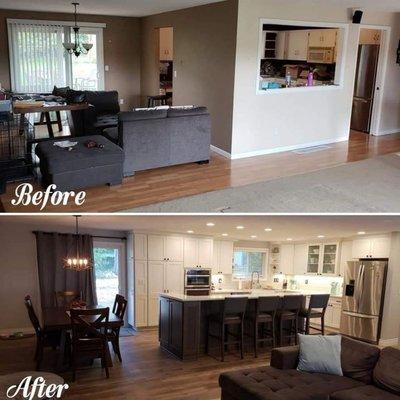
pixel 369 186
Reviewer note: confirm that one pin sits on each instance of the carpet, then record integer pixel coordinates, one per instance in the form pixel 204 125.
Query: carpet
pixel 368 186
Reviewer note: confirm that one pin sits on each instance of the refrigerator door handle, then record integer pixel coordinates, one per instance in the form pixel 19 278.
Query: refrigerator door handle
pixel 359 286
pixel 352 314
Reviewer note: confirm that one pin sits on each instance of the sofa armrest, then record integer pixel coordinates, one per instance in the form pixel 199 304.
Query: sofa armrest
pixel 285 357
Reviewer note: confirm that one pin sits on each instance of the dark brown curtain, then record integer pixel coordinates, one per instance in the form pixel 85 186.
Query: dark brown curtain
pixel 52 249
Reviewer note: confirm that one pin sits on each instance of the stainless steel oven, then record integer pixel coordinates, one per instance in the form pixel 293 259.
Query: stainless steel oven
pixel 197 282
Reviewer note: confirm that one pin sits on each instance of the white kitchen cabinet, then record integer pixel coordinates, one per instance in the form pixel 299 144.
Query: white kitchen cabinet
pixel 166 44
pixel 286 259
pixel 140 247
pixel 300 259
pixel 374 247
pixel 174 277
pixel 322 37
pixel 297 45
pixel 346 255
pixel 140 293
pixel 281 46
pixel 165 248
pixel 198 253
pixel 222 257
pixel 333 313
pixel 323 259
pixel 370 36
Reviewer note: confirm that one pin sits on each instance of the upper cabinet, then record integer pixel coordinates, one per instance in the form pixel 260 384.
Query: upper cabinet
pixel 222 257
pixel 370 36
pixel 166 44
pixel 198 253
pixel 346 255
pixel 300 259
pixel 286 259
pixel 165 248
pixel 280 45
pixel 375 247
pixel 297 45
pixel 140 246
pixel 322 259
pixel 322 37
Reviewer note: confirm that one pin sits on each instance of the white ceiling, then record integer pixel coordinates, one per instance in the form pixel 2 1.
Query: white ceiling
pixel 298 228
pixel 139 8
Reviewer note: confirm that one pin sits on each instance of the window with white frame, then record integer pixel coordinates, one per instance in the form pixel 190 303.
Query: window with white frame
pixel 39 61
pixel 248 261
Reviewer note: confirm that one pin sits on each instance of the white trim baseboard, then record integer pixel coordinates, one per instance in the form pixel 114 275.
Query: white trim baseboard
pixel 389 342
pixel 387 132
pixel 288 148
pixel 10 331
pixel 221 152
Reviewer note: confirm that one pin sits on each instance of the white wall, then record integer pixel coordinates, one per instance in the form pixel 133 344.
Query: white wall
pixel 18 271
pixel 262 123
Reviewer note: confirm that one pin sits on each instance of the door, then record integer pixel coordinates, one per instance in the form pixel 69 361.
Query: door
pixel 174 277
pixel 110 270
pixel 191 256
pixel 205 252
pixel 174 248
pixel 364 89
pixel 155 287
pixel 156 248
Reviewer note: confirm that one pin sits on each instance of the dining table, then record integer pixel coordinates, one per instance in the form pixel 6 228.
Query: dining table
pixel 58 319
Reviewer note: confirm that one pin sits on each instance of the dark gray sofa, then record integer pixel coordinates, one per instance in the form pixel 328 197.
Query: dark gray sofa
pixel 369 373
pixel 161 138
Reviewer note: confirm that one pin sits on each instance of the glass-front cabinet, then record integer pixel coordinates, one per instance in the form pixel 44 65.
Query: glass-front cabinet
pixel 322 259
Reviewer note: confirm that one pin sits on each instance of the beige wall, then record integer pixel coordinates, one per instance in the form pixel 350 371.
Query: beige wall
pixel 121 50
pixel 268 122
pixel 204 53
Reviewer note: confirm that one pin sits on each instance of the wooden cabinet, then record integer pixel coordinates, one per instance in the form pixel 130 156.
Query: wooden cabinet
pixel 300 259
pixel 140 293
pixel 322 259
pixel 166 44
pixel 222 257
pixel 198 253
pixel 370 36
pixel 376 247
pixel 165 248
pixel 140 247
pixel 287 259
pixel 297 45
pixel 322 38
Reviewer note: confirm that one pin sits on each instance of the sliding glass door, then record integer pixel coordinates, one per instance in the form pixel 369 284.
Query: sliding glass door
pixel 110 268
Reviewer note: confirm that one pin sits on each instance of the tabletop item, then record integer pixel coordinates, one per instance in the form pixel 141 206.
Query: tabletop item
pixel 65 144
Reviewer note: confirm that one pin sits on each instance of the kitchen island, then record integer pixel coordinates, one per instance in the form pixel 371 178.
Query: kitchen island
pixel 183 319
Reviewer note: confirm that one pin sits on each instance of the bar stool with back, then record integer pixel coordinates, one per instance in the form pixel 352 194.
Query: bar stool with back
pixel 316 309
pixel 289 312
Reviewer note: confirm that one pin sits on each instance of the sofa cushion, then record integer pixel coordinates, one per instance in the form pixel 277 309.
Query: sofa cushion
pixel 364 393
pixel 386 372
pixel 359 359
pixel 106 102
pixel 112 134
pixel 57 160
pixel 106 121
pixel 269 383
pixel 141 115
pixel 187 112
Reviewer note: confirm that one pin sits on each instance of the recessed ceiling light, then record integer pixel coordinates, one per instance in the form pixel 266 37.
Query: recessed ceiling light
pixel 289 239
pixel 361 233
pixel 190 231
pixel 254 236
pixel 225 234
pixel 240 227
pixel 210 224
pixel 321 237
pixel 268 230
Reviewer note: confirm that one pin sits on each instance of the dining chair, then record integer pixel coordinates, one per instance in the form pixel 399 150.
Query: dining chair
pixel 89 336
pixel 43 338
pixel 316 310
pixel 64 299
pixel 119 309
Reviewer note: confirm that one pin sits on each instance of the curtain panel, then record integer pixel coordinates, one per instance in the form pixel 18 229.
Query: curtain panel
pixel 52 249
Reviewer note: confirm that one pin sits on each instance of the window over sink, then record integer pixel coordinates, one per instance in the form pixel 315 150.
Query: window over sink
pixel 299 55
pixel 248 261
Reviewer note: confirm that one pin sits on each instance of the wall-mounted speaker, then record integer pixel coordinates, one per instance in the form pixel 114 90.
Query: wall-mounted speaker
pixel 357 17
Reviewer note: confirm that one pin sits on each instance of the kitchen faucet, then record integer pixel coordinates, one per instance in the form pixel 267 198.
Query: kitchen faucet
pixel 258 280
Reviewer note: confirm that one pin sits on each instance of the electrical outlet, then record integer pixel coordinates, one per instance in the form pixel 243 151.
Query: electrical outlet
pixel 121 102
pixel 106 68
pixel 306 282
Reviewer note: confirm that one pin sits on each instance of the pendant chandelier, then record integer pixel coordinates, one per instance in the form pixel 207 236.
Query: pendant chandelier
pixel 77 262
pixel 77 47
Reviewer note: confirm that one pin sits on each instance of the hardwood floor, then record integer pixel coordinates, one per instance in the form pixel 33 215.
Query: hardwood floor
pixel 145 373
pixel 170 183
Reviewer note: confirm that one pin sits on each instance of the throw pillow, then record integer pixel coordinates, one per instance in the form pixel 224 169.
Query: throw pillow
pixel 320 354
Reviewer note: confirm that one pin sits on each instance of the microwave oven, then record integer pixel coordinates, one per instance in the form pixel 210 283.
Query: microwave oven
pixel 321 55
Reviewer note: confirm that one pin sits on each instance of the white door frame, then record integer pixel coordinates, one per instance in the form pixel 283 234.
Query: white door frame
pixel 380 76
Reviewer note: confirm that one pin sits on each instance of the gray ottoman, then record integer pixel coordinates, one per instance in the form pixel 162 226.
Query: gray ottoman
pixel 82 167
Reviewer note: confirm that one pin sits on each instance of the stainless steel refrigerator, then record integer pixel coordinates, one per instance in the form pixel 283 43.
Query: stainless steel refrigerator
pixel 363 299
pixel 364 90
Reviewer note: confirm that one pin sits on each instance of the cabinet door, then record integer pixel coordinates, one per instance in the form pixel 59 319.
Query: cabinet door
pixel 287 259
pixel 190 252
pixel 380 247
pixel 361 248
pixel 166 44
pixel 329 37
pixel 205 252
pixel 346 255
pixel 281 46
pixel 313 259
pixel 300 259
pixel 155 248
pixel 155 287
pixel 174 277
pixel 140 311
pixel 174 248
pixel 140 247
pixel 329 315
pixel 315 38
pixel 336 315
pixel 216 257
pixel 226 258
pixel 176 323
pixel 329 260
pixel 370 36
pixel 140 278
pixel 164 329
pixel 297 48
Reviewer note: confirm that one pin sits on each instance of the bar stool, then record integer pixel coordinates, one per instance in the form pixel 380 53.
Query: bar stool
pixel 265 313
pixel 289 312
pixel 232 314
pixel 316 309
pixel 161 100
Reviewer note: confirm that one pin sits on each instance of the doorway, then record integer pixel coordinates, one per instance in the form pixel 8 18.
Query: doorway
pixel 110 270
pixel 166 63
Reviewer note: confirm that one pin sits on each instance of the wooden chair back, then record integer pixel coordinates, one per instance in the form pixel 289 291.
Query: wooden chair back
pixel 89 323
pixel 32 316
pixel 120 305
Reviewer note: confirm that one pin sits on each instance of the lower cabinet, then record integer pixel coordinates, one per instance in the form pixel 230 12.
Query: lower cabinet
pixel 333 313
pixel 179 331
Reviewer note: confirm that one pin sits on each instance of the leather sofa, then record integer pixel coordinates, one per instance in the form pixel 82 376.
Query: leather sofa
pixel 102 113
pixel 162 137
pixel 369 374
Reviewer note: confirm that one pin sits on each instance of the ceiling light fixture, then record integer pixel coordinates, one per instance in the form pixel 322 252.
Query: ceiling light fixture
pixel 240 227
pixel 77 47
pixel 253 236
pixel 190 232
pixel 321 237
pixel 361 233
pixel 268 230
pixel 289 239
pixel 210 224
pixel 225 234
